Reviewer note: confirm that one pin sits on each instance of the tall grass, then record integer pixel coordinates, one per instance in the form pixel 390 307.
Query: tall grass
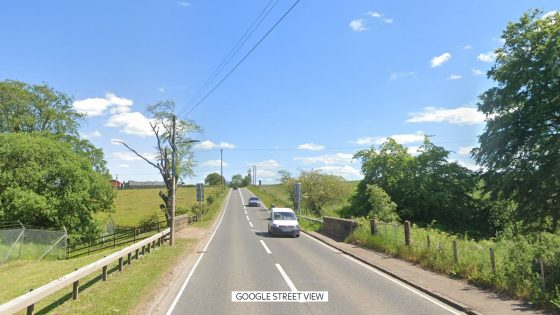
pixel 516 273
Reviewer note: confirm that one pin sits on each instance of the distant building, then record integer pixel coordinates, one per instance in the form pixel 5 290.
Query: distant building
pixel 150 184
pixel 116 184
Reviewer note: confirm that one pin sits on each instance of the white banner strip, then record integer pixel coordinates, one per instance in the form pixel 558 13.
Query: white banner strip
pixel 280 296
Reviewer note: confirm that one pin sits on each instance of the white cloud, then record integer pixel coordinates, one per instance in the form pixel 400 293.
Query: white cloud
pixel 209 145
pixel 477 72
pixel 89 135
pixel 464 115
pixel 465 150
pixel 397 75
pixel 347 171
pixel 96 106
pixel 439 60
pixel 161 90
pixel 402 139
pixel 267 164
pixel 487 57
pixel 213 163
pixel 311 147
pixel 467 47
pixel 413 150
pixel 129 156
pixel 379 16
pixel 329 159
pixel 470 165
pixel 132 123
pixel 455 77
pixel 183 4
pixel 546 15
pixel 358 25
pixel 123 165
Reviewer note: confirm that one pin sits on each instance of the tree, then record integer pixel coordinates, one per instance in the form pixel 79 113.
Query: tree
pixel 32 108
pixel 425 187
pixel 214 179
pixel 285 176
pixel 520 146
pixel 318 189
pixel 382 207
pixel 44 183
pixel 41 109
pixel 236 181
pixel 162 115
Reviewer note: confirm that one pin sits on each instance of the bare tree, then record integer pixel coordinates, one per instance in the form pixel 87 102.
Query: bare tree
pixel 161 123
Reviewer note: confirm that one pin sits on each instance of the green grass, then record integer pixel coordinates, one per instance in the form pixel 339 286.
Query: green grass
pixel 132 205
pixel 121 292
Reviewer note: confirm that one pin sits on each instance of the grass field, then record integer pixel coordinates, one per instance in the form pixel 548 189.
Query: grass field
pixel 132 205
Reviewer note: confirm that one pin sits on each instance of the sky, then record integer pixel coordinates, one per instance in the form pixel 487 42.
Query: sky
pixel 332 78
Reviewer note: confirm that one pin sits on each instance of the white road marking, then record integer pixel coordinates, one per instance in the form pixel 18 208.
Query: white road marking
pixel 247 218
pixel 286 278
pixel 402 284
pixel 251 224
pixel 319 242
pixel 246 212
pixel 266 247
pixel 172 307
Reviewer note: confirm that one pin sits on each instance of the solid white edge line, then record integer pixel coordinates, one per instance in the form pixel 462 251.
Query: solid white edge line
pixel 286 278
pixel 176 300
pixel 404 285
pixel 266 247
pixel 321 243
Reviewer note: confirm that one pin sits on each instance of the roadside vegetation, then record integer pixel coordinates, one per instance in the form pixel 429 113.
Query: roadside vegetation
pixel 510 204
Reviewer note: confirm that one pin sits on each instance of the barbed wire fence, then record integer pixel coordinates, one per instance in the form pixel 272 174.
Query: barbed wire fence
pixel 22 241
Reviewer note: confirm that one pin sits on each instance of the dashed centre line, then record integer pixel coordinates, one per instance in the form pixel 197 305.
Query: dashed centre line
pixel 286 278
pixel 266 247
pixel 251 224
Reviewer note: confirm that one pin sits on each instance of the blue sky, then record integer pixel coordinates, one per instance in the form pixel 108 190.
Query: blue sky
pixel 333 78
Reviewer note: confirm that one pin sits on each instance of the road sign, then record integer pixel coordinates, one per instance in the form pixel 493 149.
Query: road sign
pixel 199 192
pixel 297 196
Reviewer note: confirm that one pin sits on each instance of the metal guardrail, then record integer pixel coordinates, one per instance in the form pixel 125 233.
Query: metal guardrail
pixel 29 299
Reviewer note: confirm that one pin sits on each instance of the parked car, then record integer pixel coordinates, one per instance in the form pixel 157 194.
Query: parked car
pixel 283 221
pixel 234 187
pixel 254 202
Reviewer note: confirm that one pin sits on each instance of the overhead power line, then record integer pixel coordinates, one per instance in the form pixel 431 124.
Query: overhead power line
pixel 243 59
pixel 235 49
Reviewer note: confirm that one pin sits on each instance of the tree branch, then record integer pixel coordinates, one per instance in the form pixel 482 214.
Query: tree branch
pixel 139 155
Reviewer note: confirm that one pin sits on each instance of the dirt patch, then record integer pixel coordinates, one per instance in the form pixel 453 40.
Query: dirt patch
pixel 192 232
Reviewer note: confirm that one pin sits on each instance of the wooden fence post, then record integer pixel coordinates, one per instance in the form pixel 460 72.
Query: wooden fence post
pixel 104 273
pixel 428 240
pixel 492 261
pixel 31 307
pixel 137 253
pixel 541 260
pixel 120 263
pixel 75 289
pixel 373 226
pixel 114 240
pixel 455 256
pixel 407 233
pixel 129 258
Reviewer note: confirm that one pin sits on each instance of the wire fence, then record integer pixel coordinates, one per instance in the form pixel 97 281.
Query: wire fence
pixel 19 241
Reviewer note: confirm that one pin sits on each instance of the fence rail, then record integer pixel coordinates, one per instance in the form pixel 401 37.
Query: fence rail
pixel 29 299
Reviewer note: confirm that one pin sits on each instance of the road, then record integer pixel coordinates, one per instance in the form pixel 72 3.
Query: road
pixel 240 256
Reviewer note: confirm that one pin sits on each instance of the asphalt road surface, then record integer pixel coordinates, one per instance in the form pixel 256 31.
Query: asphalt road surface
pixel 240 256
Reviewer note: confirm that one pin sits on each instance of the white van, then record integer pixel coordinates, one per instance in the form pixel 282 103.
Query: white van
pixel 283 221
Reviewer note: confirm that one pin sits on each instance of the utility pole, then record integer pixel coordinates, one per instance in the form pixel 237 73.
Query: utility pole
pixel 173 179
pixel 222 168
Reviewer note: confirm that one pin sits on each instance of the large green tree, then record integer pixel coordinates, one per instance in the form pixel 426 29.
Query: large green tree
pixel 162 115
pixel 520 146
pixel 318 189
pixel 425 187
pixel 43 182
pixel 39 108
pixel 214 179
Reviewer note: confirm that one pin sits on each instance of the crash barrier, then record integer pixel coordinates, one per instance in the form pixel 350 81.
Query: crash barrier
pixel 28 300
